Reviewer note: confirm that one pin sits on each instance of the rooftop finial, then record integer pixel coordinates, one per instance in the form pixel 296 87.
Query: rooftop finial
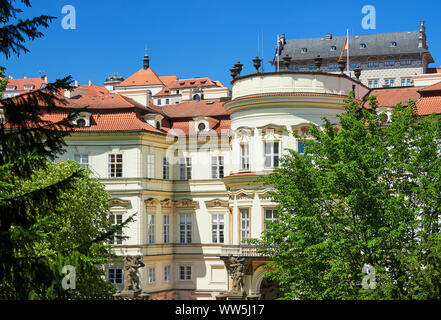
pixel 146 60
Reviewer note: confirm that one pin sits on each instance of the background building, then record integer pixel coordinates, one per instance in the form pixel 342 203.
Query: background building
pixel 387 59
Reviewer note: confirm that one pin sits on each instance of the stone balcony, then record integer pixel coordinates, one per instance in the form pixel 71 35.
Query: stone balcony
pixel 241 251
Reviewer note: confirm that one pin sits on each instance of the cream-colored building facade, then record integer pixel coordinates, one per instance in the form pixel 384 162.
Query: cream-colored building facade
pixel 193 192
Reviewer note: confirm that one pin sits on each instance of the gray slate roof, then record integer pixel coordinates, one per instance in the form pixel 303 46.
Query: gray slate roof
pixel 376 44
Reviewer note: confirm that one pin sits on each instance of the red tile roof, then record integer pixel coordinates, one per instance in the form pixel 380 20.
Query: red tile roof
pixel 193 83
pixel 429 105
pixel 20 83
pixel 142 77
pixel 432 88
pixel 187 127
pixel 189 109
pixel 109 120
pixel 391 96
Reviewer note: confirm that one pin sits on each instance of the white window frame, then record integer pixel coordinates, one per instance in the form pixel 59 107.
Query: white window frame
pixel 185 168
pixel 82 159
pixel 217 167
pixel 151 165
pixel 113 163
pixel 152 275
pixel 167 273
pixel 272 155
pixel 244 156
pixel 244 224
pixel 165 169
pixel 273 218
pixel 185 228
pixel 112 279
pixel 166 228
pixel 188 270
pixel 218 228
pixel 151 234
pixel 116 218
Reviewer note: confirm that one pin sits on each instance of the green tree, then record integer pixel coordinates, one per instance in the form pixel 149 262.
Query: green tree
pixel 367 194
pixel 33 250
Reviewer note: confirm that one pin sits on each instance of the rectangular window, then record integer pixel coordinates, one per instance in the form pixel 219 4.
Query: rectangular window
pixel 115 165
pixel 271 154
pixel 166 228
pixel 217 167
pixel 150 166
pixel 151 238
pixel 28 87
pixel 116 219
pixel 244 156
pixel 152 275
pixel 270 215
pixel 217 228
pixel 165 169
pixel 185 273
pixel 244 225
pixel 185 228
pixel 115 275
pixel 405 82
pixel 159 102
pixel 83 160
pixel 373 83
pixel 167 273
pixel 389 82
pixel 185 169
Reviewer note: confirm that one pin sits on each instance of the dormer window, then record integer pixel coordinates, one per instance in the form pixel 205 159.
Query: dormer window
pixel 10 88
pixel 201 124
pixel 192 82
pixel 362 45
pixel 28 87
pixel 304 50
pixel 83 120
pixel 153 119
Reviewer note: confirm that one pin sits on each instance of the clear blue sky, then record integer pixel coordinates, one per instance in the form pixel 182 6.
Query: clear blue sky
pixel 197 38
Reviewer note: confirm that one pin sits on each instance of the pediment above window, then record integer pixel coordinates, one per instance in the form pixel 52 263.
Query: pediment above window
pixel 117 202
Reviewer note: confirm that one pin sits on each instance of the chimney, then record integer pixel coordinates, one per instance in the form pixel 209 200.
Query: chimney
pixel 67 94
pixel 76 83
pixel 90 83
pixel 25 77
pixel 45 79
pixel 328 36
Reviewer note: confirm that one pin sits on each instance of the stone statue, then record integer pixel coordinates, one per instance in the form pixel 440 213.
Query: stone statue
pixel 131 266
pixel 236 270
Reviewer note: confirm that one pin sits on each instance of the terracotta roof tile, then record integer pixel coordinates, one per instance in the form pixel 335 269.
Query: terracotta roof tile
pixel 192 83
pixel 391 96
pixel 431 88
pixel 142 77
pixel 188 109
pixel 19 84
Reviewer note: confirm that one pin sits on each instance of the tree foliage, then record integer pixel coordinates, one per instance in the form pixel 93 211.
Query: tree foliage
pixel 50 215
pixel 367 194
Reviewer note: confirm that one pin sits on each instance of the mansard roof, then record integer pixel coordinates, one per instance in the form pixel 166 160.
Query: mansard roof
pixel 406 42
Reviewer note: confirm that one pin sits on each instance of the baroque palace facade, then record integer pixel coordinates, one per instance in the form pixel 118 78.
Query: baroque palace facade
pixel 186 166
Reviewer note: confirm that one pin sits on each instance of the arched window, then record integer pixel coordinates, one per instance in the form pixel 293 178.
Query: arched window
pixel 196 97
